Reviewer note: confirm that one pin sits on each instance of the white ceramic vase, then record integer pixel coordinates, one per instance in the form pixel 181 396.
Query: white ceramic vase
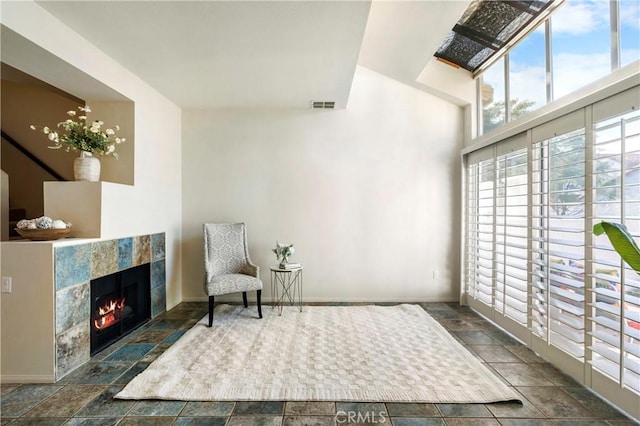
pixel 86 167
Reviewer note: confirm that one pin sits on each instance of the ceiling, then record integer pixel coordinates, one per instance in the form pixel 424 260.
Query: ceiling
pixel 262 54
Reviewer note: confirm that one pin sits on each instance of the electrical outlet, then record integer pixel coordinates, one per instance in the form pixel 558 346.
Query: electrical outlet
pixel 436 274
pixel 6 284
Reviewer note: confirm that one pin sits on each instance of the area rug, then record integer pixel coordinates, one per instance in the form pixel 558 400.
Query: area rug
pixel 325 353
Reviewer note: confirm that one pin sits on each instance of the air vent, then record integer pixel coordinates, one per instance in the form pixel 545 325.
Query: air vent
pixel 322 105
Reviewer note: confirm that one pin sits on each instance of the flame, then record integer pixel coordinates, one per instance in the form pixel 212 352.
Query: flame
pixel 108 314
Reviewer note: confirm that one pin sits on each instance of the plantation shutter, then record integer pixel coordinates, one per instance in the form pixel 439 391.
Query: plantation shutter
pixel 533 265
pixel 615 307
pixel 511 229
pixel 558 234
pixel 480 236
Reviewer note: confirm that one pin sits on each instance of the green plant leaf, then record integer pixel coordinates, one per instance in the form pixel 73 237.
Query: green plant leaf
pixel 622 242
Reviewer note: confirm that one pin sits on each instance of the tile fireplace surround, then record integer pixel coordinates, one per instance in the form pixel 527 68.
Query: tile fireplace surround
pixel 45 317
pixel 75 266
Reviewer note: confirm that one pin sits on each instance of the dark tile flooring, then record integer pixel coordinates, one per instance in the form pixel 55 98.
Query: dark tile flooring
pixel 85 396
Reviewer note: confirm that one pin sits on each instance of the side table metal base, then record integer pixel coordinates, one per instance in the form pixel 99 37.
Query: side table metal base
pixel 290 282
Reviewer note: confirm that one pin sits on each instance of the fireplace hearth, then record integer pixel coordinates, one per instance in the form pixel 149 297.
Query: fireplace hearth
pixel 120 303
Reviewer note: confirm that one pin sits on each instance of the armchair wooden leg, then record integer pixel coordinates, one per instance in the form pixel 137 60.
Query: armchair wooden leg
pixel 259 303
pixel 211 298
pixel 244 299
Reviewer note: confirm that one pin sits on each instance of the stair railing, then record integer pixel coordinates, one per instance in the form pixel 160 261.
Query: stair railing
pixel 44 166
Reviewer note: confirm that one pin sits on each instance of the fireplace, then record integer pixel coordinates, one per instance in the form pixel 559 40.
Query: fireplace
pixel 120 303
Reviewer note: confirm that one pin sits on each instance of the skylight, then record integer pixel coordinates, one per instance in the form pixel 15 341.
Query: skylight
pixel 487 27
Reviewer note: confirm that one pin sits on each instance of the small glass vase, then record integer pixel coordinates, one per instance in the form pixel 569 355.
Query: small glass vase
pixel 283 262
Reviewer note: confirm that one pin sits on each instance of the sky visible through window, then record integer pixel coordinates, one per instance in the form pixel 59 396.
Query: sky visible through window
pixel 527 70
pixel 629 31
pixel 581 51
pixel 580 39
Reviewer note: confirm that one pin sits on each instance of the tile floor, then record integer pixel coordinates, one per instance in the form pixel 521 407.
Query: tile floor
pixel 85 396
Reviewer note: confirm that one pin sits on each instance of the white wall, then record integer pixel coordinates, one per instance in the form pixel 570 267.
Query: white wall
pixel 369 195
pixel 38 44
pixel 453 84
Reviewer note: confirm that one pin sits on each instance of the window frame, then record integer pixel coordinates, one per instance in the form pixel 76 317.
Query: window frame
pixel 615 37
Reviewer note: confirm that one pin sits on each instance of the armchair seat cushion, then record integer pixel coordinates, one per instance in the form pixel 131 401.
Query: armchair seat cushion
pixel 232 283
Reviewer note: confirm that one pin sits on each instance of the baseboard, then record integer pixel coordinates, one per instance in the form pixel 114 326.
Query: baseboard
pixel 4 379
pixel 223 299
pixel 195 299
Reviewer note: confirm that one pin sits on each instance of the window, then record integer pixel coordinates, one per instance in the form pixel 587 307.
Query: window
pixel 533 264
pixel 480 177
pixel 511 234
pixel 581 40
pixel 558 241
pixel 629 12
pixel 486 27
pixel 616 304
pixel 498 229
pixel 493 85
pixel 527 74
pixel 581 46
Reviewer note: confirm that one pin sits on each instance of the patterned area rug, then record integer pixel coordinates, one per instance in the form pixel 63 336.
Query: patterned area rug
pixel 325 353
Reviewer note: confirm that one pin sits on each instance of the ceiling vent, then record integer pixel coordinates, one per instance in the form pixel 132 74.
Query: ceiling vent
pixel 322 105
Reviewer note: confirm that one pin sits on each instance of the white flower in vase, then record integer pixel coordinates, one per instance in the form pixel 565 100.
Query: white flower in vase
pixel 283 252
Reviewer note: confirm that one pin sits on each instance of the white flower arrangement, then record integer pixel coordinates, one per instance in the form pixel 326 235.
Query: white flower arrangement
pixel 283 252
pixel 82 136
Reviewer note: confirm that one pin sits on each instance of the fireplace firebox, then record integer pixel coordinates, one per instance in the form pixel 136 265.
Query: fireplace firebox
pixel 120 303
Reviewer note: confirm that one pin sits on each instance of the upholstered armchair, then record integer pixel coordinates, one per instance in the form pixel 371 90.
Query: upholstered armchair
pixel 227 264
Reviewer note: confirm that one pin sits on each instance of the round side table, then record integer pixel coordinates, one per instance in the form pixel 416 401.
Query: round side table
pixel 289 282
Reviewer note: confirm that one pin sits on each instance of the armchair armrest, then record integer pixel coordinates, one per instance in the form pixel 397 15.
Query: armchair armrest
pixel 251 269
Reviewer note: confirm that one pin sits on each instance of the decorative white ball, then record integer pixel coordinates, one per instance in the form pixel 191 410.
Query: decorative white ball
pixel 25 224
pixel 44 222
pixel 59 224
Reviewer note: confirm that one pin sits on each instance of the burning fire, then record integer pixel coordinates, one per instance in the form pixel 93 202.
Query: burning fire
pixel 109 314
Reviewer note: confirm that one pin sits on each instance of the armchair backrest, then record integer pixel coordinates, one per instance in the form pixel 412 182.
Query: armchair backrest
pixel 225 248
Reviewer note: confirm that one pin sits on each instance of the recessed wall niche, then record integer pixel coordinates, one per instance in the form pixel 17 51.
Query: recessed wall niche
pixel 27 100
